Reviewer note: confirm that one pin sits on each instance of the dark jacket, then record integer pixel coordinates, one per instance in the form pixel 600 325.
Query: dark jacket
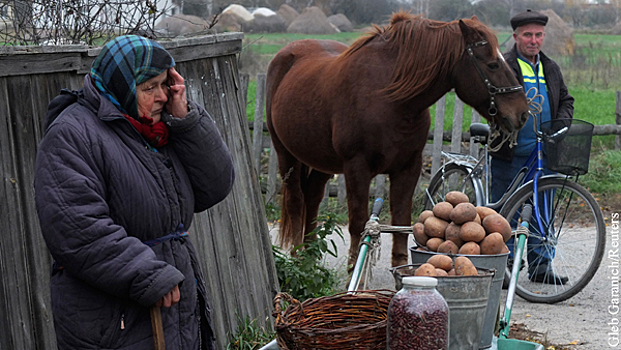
pixel 561 102
pixel 100 194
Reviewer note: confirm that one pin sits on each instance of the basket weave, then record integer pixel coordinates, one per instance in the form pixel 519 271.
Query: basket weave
pixel 345 321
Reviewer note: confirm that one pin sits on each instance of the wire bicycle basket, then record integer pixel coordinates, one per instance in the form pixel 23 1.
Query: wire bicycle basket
pixel 567 145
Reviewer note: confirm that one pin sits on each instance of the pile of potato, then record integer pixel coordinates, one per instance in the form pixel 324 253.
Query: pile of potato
pixel 442 265
pixel 458 227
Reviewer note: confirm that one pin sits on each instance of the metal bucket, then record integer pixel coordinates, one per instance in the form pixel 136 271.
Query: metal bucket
pixel 496 262
pixel 466 297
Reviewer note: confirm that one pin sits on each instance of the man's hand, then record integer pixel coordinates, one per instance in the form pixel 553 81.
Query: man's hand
pixel 170 299
pixel 177 104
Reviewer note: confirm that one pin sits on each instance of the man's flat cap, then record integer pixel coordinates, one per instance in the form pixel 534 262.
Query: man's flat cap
pixel 528 17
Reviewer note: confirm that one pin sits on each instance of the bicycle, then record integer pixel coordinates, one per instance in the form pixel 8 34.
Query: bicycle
pixel 562 207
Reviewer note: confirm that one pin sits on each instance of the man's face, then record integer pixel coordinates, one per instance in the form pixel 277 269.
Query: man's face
pixel 528 39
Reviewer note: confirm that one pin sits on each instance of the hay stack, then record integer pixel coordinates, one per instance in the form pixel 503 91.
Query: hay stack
pixel 311 21
pixel 240 11
pixel 341 22
pixel 229 22
pixel 287 13
pixel 559 39
pixel 266 24
pixel 181 24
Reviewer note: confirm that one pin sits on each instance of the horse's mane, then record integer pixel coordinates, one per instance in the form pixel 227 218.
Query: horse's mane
pixel 427 49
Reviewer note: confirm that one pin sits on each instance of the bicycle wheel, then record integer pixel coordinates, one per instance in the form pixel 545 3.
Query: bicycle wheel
pixel 575 240
pixel 451 177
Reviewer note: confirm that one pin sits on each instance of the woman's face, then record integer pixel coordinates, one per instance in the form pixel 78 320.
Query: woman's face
pixel 152 96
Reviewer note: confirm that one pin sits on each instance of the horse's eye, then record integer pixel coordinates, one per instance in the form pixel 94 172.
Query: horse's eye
pixel 493 66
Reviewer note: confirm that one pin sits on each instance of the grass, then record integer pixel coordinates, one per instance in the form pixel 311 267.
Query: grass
pixel 250 336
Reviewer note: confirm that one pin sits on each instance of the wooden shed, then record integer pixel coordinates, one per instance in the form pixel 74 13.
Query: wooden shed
pixel 232 238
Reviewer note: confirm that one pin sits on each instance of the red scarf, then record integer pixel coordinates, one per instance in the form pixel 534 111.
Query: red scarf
pixel 155 134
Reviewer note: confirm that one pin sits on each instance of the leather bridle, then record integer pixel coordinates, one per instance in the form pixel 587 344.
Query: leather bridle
pixel 491 89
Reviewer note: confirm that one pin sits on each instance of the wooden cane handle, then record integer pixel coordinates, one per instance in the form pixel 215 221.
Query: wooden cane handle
pixel 158 329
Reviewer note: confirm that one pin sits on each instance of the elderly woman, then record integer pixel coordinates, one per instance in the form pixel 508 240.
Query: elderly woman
pixel 123 165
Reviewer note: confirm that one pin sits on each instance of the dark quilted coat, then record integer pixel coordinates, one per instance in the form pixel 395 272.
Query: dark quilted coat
pixel 100 194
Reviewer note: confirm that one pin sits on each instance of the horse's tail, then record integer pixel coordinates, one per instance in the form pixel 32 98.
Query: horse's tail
pixel 293 210
pixel 291 228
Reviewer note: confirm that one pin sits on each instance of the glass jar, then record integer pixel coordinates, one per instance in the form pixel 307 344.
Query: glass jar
pixel 418 316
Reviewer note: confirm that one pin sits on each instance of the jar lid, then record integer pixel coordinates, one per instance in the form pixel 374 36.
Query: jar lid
pixel 422 281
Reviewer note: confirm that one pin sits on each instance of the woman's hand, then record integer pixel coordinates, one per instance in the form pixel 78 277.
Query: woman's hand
pixel 177 104
pixel 170 299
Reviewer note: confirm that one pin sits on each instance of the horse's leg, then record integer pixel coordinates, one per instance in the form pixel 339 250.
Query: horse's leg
pixel 402 185
pixel 314 188
pixel 357 181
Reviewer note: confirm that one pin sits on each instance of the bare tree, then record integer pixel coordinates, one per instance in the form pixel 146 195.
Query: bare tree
pixel 41 22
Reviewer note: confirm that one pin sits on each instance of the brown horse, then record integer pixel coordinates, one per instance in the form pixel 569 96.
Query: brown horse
pixel 363 111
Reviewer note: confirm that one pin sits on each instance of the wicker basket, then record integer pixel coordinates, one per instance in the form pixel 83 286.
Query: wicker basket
pixel 345 321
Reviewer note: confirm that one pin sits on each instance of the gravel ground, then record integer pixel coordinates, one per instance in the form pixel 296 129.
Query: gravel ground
pixel 583 322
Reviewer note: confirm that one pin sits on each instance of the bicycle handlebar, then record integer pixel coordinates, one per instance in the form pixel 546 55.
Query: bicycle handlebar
pixel 527 212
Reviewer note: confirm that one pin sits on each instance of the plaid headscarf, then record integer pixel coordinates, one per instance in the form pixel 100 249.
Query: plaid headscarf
pixel 124 63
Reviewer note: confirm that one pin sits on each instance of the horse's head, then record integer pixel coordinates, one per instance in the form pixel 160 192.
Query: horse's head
pixel 483 79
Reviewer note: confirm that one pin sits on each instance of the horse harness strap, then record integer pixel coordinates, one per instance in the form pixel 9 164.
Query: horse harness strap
pixel 491 89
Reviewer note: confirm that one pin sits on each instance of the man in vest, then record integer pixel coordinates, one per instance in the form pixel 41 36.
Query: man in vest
pixel 533 69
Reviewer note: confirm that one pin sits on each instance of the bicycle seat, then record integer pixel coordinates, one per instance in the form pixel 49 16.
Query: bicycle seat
pixel 480 132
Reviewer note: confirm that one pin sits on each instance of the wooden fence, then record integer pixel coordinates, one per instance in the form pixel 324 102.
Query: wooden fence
pixel 232 238
pixel 261 143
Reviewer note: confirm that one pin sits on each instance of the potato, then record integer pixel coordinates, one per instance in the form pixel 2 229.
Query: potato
pixel 463 212
pixel 448 247
pixel 465 267
pixel 497 223
pixel 472 232
pixel 452 234
pixel 485 211
pixel 477 219
pixel 440 261
pixel 425 270
pixel 443 210
pixel 434 227
pixel 492 244
pixel 452 272
pixel 456 197
pixel 433 243
pixel 418 230
pixel 441 273
pixel 505 249
pixel 424 215
pixel 470 248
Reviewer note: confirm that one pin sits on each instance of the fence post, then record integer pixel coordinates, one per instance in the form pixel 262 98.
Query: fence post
pixel 243 87
pixel 380 186
pixel 272 175
pixel 474 148
pixel 438 135
pixel 618 120
pixel 341 191
pixel 257 131
pixel 458 121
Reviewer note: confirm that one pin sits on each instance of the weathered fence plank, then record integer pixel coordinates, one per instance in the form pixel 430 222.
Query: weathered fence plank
pixel 437 135
pixel 257 134
pixel 232 238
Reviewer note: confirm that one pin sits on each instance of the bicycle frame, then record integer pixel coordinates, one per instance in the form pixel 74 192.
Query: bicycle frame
pixel 531 171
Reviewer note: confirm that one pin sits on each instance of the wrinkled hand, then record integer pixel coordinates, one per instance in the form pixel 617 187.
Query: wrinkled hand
pixel 177 104
pixel 170 299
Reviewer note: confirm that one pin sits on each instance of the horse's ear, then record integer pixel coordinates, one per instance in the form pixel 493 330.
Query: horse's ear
pixel 470 35
pixel 475 18
pixel 465 30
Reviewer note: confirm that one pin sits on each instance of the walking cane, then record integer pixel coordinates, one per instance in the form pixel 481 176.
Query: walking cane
pixel 158 329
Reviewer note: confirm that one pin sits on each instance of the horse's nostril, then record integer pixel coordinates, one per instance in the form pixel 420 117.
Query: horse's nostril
pixel 524 118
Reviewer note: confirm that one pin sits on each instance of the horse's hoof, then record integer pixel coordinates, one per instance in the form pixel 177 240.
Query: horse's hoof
pixel 399 261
